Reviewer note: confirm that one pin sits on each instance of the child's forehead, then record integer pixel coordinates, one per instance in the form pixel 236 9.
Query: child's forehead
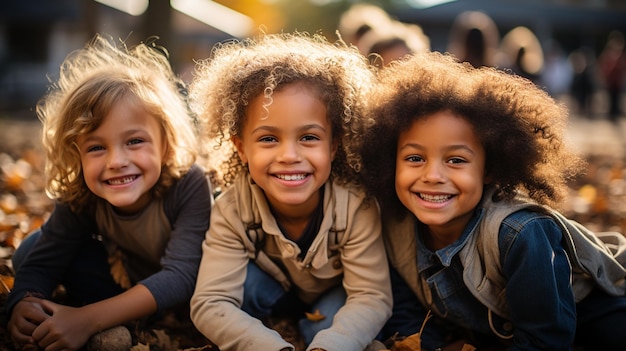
pixel 288 98
pixel 125 107
pixel 125 101
pixel 445 117
pixel 269 93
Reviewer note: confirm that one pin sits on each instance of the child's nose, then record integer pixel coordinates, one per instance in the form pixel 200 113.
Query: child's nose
pixel 433 172
pixel 117 158
pixel 289 152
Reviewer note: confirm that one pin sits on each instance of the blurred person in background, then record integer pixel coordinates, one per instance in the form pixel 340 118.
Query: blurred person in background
pixel 360 19
pixel 612 65
pixel 474 38
pixel 557 73
pixel 387 43
pixel 521 52
pixel 583 83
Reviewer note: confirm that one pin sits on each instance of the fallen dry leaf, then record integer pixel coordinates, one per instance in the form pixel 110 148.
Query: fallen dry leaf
pixel 6 284
pixel 410 343
pixel 315 316
pixel 118 271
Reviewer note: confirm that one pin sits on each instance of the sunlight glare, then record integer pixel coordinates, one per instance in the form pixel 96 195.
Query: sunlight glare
pixel 216 15
pixel 131 7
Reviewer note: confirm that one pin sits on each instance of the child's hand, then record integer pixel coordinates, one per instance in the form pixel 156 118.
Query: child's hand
pixel 26 316
pixel 67 328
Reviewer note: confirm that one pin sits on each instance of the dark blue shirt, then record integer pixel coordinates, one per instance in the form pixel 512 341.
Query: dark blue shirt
pixel 187 205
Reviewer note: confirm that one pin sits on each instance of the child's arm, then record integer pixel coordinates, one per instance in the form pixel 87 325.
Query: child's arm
pixel 70 327
pixel 62 236
pixel 216 303
pixel 366 281
pixel 538 289
pixel 188 206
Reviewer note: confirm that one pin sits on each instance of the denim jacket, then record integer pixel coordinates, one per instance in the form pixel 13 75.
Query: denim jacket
pixel 512 281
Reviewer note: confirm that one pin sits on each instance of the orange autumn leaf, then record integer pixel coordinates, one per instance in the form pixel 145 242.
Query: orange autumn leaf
pixel 6 284
pixel 412 342
pixel 118 271
pixel 315 316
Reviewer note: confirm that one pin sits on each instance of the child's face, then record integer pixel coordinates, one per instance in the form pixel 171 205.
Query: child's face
pixel 122 159
pixel 440 172
pixel 288 151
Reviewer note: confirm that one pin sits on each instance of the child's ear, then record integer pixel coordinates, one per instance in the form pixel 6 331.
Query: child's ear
pixel 488 179
pixel 166 153
pixel 240 150
pixel 333 148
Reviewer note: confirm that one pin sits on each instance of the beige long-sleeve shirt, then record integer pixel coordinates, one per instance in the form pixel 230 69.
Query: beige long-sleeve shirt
pixel 360 265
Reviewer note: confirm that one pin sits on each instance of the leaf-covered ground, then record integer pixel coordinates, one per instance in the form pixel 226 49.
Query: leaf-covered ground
pixel 597 200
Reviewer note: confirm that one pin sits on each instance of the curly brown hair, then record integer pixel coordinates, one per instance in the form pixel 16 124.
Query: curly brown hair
pixel 238 71
pixel 522 128
pixel 91 81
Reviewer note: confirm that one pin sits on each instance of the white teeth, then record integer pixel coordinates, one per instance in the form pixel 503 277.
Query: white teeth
pixel 435 198
pixel 291 176
pixel 120 181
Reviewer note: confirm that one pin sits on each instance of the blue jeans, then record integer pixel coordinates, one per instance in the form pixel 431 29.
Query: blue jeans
pixel 87 280
pixel 264 296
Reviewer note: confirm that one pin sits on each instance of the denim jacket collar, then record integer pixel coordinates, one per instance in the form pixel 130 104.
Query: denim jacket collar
pixel 425 257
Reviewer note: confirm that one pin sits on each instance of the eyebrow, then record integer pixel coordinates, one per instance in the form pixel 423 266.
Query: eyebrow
pixel 447 148
pixel 126 133
pixel 303 128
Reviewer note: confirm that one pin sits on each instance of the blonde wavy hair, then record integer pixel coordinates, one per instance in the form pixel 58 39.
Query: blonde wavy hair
pixel 91 81
pixel 238 71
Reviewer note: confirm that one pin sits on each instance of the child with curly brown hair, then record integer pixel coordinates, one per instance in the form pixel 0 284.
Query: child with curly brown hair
pixel 132 206
pixel 469 166
pixel 292 233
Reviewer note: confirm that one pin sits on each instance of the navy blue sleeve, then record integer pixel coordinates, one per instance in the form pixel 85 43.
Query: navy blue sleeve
pixel 62 236
pixel 188 205
pixel 408 315
pixel 538 289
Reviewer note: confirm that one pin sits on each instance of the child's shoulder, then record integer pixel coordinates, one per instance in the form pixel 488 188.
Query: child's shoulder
pixel 194 174
pixel 193 183
pixel 347 188
pixel 515 212
pixel 240 191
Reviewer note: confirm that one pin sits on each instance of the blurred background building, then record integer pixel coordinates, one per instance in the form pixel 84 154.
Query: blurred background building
pixel 555 42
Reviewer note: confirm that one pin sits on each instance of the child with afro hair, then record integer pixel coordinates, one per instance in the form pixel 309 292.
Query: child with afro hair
pixel 469 165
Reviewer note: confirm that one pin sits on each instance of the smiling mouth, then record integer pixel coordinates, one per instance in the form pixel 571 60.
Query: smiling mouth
pixel 292 177
pixel 435 198
pixel 121 181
